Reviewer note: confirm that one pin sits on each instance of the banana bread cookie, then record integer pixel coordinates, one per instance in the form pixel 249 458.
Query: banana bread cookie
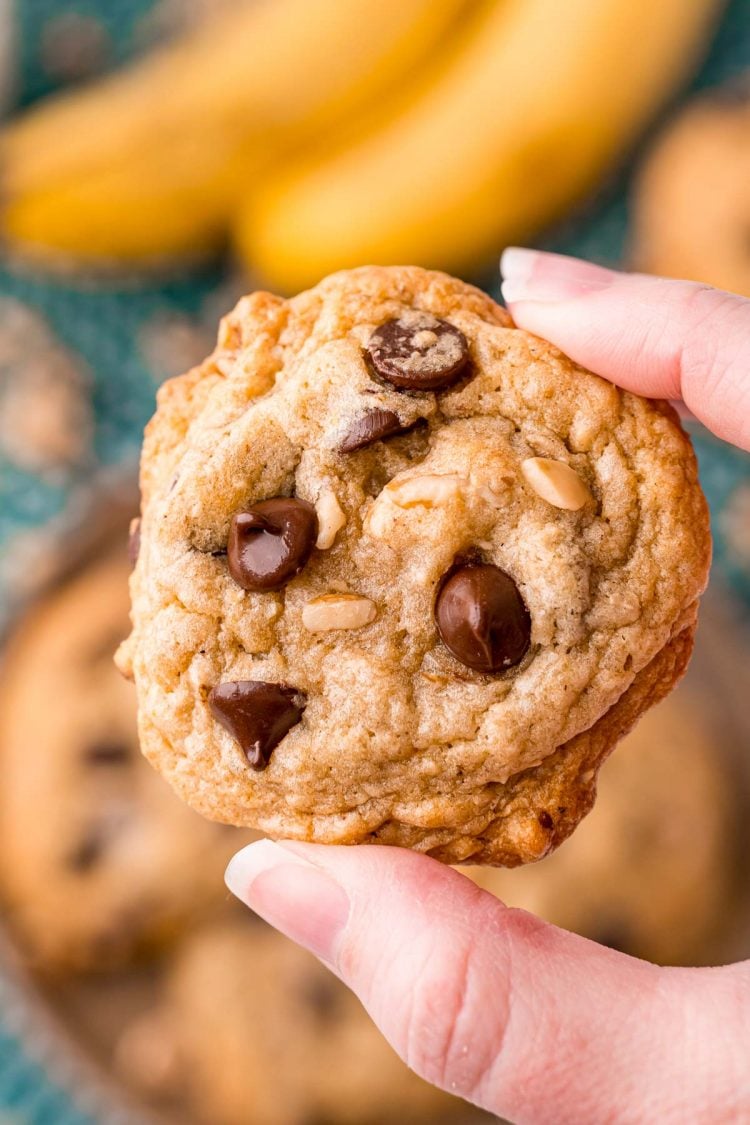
pixel 98 859
pixel 251 1028
pixel 406 572
pixel 691 217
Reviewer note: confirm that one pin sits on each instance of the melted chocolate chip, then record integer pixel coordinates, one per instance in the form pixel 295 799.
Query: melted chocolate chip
pixel 257 714
pixel 419 352
pixel 107 754
pixel 369 427
pixel 545 820
pixel 134 541
pixel 271 542
pixel 482 618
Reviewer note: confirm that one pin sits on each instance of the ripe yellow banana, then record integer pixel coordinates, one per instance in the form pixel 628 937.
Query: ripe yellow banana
pixel 147 163
pixel 520 122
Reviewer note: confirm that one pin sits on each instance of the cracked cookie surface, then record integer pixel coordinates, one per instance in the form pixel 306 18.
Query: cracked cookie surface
pixel 501 571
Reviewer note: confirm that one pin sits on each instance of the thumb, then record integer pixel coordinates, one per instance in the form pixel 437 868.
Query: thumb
pixel 523 1019
pixel 659 338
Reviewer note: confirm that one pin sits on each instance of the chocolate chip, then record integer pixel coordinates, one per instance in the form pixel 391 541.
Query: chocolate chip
pixel 419 352
pixel 87 853
pixel 271 542
pixel 369 427
pixel 107 753
pixel 545 820
pixel 323 994
pixel 134 541
pixel 257 714
pixel 110 821
pixel 482 618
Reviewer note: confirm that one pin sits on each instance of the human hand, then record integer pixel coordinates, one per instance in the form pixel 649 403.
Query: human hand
pixel 488 1002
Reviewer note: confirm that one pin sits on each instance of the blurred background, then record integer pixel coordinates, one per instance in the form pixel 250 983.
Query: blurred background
pixel 158 158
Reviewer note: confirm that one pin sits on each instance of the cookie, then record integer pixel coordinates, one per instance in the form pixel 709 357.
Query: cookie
pixel 650 871
pixel 98 859
pixel 406 572
pixel 46 424
pixel 692 206
pixel 254 1029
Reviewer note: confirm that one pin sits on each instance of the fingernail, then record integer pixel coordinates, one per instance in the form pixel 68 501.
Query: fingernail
pixel 533 275
pixel 518 263
pixel 292 894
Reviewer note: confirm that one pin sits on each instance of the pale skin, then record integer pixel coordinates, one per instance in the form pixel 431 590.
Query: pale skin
pixel 526 1020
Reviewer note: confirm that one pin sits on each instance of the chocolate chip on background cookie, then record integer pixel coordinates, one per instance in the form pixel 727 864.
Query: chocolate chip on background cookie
pixel 87 852
pixel 107 752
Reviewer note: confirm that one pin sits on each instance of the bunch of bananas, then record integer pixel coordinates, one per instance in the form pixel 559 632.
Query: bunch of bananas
pixel 319 134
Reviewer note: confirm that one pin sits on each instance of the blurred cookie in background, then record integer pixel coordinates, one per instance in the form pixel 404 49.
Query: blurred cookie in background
pixel 99 862
pixel 691 213
pixel 253 1029
pixel 46 422
pixel 651 870
pixel 734 525
pixel 170 343
pixel 73 47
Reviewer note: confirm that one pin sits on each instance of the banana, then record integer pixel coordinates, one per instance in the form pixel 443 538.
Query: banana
pixel 148 163
pixel 521 122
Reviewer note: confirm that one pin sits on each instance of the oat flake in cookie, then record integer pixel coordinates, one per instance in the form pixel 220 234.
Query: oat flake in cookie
pixel 406 572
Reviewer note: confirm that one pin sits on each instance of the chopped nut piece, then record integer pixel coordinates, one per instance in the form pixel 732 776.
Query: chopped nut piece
pixel 556 483
pixel 330 519
pixel 338 611
pixel 433 490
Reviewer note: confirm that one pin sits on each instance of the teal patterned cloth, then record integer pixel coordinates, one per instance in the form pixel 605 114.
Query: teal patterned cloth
pixel 124 338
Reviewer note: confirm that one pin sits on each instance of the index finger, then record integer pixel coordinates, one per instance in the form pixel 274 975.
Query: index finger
pixel 658 338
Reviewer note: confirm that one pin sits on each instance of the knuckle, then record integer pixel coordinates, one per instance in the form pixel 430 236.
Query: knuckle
pixel 713 359
pixel 444 1034
pixel 702 356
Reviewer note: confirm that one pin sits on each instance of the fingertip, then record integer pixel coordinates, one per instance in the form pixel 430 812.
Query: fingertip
pixel 246 864
pixel 517 261
pixel 292 893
